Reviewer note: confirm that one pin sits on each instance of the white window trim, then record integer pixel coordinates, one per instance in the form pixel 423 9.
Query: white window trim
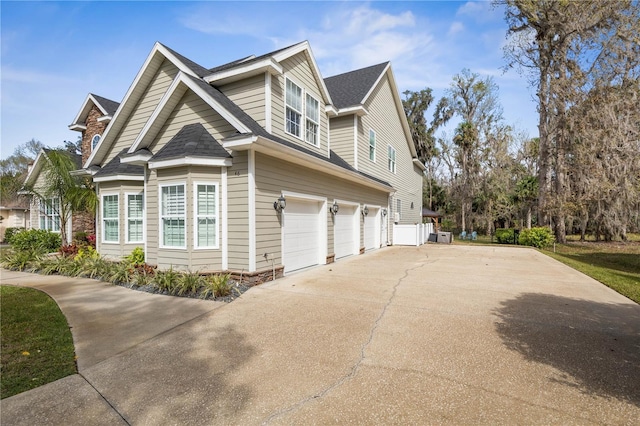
pixel 127 218
pixel 216 215
pixel 307 118
pixel 102 218
pixel 395 163
pixel 42 205
pixel 301 112
pixel 375 143
pixel 186 215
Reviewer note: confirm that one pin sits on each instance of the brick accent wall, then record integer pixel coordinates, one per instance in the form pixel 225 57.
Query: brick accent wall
pixel 83 222
pixel 94 127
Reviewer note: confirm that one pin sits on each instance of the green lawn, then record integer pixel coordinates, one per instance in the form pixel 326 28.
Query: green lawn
pixel 615 264
pixel 37 347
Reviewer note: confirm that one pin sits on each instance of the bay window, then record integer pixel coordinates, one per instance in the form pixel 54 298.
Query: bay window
pixel 173 216
pixel 206 215
pixel 135 218
pixel 110 219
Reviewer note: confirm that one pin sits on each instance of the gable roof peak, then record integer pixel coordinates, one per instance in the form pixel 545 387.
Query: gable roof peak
pixel 352 88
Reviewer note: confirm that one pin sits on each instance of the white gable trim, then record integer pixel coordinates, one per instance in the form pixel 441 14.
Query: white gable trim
pixel 84 111
pixel 267 65
pixel 149 67
pixel 169 100
pixel 34 171
pixel 118 177
pixel 190 161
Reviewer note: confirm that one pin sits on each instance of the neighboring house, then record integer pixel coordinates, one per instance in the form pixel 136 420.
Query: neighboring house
pixel 13 216
pixel 257 167
pixel 45 214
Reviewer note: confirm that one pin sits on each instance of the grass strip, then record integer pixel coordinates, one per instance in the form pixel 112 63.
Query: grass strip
pixel 36 343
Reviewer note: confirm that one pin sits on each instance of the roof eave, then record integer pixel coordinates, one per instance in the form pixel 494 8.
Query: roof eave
pixel 267 65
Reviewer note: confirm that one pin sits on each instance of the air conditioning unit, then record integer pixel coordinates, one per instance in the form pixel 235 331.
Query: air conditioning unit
pixel 396 217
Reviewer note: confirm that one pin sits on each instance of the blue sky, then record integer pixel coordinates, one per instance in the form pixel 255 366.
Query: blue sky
pixel 54 53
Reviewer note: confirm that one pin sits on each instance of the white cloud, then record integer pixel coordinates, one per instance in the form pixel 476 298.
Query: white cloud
pixel 12 75
pixel 455 28
pixel 480 11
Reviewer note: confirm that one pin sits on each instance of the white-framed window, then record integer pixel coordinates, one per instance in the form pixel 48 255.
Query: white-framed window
pixel 94 141
pixel 173 219
pixel 313 120
pixel 135 217
pixel 372 145
pixel 399 208
pixel 392 159
pixel 205 207
pixel 110 218
pixel 293 113
pixel 50 214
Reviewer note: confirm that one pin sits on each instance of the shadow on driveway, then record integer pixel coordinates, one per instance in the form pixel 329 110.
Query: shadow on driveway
pixel 596 346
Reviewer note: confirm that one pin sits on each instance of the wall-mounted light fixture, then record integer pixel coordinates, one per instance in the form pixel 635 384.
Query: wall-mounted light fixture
pixel 365 211
pixel 384 212
pixel 412 204
pixel 280 204
pixel 335 207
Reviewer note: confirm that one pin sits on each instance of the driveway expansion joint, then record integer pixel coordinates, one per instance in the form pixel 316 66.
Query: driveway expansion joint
pixel 115 410
pixel 354 369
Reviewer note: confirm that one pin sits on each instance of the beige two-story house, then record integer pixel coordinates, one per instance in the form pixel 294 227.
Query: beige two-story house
pixel 258 166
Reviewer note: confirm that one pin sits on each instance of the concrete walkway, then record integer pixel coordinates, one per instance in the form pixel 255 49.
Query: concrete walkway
pixel 404 335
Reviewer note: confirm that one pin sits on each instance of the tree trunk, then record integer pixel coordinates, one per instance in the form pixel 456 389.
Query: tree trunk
pixel 529 217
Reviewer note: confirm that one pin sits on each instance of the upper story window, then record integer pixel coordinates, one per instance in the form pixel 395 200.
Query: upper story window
pixel 173 219
pixel 94 141
pixel 372 145
pixel 313 120
pixel 293 109
pixel 392 159
pixel 50 214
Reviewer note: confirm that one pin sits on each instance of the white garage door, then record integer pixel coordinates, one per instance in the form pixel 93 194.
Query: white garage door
pixel 346 235
pixel 301 234
pixel 372 229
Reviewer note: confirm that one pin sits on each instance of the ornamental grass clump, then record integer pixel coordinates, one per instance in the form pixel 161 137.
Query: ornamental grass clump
pixel 166 281
pixel 216 286
pixel 188 283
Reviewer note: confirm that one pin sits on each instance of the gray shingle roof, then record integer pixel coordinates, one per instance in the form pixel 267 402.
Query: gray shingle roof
pixel 192 140
pixel 243 62
pixel 110 106
pixel 199 70
pixel 115 167
pixel 350 88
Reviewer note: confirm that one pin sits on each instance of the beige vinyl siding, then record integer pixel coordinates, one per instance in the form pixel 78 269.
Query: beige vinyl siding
pixel 237 205
pixel 385 120
pixel 249 95
pixel 298 70
pixel 121 189
pixel 187 258
pixel 192 109
pixel 342 138
pixel 143 109
pixel 274 176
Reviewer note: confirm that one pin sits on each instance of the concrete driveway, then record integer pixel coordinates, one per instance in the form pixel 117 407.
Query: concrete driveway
pixel 404 335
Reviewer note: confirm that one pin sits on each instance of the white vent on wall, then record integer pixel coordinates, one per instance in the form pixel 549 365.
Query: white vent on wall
pixel 396 217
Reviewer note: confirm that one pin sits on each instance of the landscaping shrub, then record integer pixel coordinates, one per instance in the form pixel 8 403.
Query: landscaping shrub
pixel 540 237
pixel 216 286
pixel 136 257
pixel 70 250
pixel 36 240
pixel 166 280
pixel 10 232
pixel 19 260
pixel 80 238
pixel 504 236
pixel 188 282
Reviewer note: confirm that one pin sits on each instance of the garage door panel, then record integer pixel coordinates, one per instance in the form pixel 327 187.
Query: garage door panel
pixel 344 239
pixel 301 234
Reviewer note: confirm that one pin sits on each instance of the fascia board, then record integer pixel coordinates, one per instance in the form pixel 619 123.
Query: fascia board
pixel 138 159
pixel 419 164
pixel 331 110
pixel 118 177
pixel 190 161
pixel 105 118
pixel 358 110
pixel 77 127
pixel 234 74
pixel 83 172
pixel 240 142
pixel 35 169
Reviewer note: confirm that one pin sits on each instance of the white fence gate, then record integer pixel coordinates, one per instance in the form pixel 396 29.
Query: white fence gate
pixel 411 235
